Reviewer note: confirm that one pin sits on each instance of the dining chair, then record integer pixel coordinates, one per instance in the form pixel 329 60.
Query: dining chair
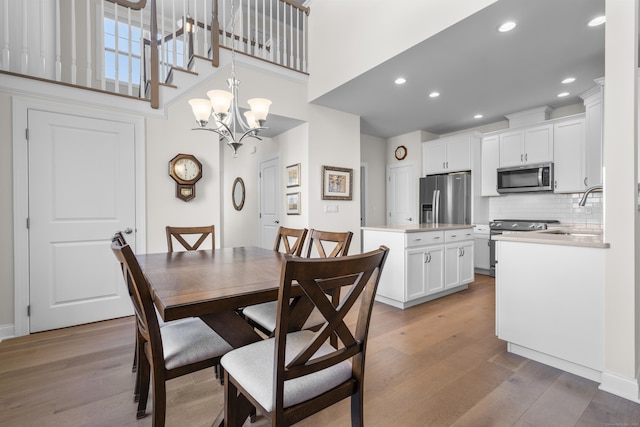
pixel 263 316
pixel 179 233
pixel 177 349
pixel 297 373
pixel 292 239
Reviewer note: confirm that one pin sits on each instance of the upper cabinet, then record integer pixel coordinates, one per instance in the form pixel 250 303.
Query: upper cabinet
pixel 490 164
pixel 593 135
pixel 529 145
pixel 569 155
pixel 451 154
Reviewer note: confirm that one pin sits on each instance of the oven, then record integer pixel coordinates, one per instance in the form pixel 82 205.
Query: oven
pixel 499 226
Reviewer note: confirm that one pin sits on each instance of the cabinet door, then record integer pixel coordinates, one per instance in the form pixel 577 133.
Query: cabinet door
pixel 434 269
pixel 511 145
pixel 593 141
pixel 451 266
pixel 569 156
pixel 481 253
pixel 416 268
pixel 466 262
pixel 458 154
pixel 538 144
pixel 490 163
pixel 434 156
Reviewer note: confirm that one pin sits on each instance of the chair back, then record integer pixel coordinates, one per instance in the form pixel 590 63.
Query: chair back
pixel 361 274
pixel 178 234
pixel 146 319
pixel 322 241
pixel 292 239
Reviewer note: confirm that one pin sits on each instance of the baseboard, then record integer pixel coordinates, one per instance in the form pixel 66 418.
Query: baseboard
pixel 620 386
pixel 7 331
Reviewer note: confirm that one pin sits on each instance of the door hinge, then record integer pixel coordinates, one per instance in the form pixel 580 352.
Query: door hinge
pixel 26 133
pixel 260 215
pixel 389 179
pixel 259 174
pixel 28 310
pixel 28 223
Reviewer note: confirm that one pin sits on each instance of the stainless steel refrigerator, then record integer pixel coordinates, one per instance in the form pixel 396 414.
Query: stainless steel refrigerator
pixel 446 198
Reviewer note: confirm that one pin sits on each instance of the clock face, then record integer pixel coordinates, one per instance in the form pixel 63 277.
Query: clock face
pixel 186 169
pixel 401 152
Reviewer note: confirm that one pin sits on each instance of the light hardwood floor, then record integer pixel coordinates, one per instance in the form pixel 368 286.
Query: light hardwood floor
pixel 438 364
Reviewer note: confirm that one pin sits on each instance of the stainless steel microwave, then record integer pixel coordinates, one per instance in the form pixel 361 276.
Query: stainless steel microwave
pixel 526 178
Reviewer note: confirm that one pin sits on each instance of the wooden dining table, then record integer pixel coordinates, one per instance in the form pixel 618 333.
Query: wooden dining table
pixel 213 285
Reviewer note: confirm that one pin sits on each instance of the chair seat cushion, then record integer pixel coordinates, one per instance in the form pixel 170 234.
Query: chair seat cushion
pixel 252 367
pixel 189 341
pixel 265 315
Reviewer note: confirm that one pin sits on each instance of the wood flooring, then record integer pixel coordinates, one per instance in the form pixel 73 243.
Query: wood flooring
pixel 437 364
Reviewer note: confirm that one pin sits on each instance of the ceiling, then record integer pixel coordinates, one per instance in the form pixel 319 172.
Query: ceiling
pixel 478 70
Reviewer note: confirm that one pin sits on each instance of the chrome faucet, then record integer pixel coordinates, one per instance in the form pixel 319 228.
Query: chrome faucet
pixel 589 191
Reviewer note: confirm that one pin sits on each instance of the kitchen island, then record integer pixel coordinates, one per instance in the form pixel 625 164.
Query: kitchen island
pixel 550 297
pixel 426 261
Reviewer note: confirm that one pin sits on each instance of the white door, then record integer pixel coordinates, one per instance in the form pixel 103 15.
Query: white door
pixel 269 202
pixel 402 198
pixel 81 190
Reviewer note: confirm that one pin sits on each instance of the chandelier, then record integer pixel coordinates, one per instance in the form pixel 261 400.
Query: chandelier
pixel 226 113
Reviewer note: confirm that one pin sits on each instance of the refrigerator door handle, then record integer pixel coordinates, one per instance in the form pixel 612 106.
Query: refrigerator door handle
pixel 436 206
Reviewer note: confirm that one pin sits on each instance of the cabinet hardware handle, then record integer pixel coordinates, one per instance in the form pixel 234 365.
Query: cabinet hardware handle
pixel 526 157
pixel 521 156
pixel 417 240
pixel 585 181
pixel 436 237
pixel 409 219
pixel 443 165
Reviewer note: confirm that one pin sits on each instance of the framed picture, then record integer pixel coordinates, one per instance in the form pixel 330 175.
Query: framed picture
pixel 293 203
pixel 293 175
pixel 336 183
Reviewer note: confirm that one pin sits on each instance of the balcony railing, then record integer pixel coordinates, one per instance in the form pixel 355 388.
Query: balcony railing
pixel 107 44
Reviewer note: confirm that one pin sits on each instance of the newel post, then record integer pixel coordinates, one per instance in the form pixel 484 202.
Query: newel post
pixel 155 63
pixel 215 35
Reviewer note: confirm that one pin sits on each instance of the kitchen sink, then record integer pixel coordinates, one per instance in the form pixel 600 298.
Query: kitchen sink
pixel 574 233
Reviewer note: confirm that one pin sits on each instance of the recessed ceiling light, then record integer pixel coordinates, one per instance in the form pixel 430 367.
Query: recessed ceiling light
pixel 434 94
pixel 568 80
pixel 401 81
pixel 478 116
pixel 599 20
pixel 563 94
pixel 507 26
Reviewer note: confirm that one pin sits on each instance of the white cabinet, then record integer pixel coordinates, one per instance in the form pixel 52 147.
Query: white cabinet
pixel 569 155
pixel 593 135
pixel 419 262
pixel 481 252
pixel 446 155
pixel 529 145
pixel 490 164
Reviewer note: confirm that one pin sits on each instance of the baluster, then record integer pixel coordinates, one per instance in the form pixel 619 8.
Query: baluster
pixel 89 72
pixel 43 62
pixel 305 21
pixel 256 45
pixel 25 34
pixel 117 51
pixel 130 64
pixel 103 77
pixel 247 45
pixel 264 31
pixel 280 4
pixel 174 62
pixel 6 52
pixel 271 29
pixel 74 55
pixel 291 59
pixel 163 51
pixel 194 32
pixel 297 39
pixel 224 23
pixel 58 61
pixel 141 81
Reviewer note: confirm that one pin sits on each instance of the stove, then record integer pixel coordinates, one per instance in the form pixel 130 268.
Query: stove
pixel 499 226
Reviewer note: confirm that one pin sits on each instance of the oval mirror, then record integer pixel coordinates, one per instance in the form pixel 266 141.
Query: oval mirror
pixel 237 194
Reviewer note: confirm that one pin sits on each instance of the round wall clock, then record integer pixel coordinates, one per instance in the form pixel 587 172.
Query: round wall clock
pixel 185 170
pixel 401 152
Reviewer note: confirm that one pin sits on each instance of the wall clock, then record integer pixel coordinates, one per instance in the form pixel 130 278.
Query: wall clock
pixel 401 152
pixel 185 170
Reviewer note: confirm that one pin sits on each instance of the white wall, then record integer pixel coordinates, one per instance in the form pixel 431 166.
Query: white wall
pixel 374 37
pixel 294 148
pixel 373 153
pixel 6 213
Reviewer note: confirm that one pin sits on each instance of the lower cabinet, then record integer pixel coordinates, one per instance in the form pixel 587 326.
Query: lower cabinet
pixel 422 265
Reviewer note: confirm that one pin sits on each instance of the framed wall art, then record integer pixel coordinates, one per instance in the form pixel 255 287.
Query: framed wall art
pixel 337 183
pixel 293 203
pixel 293 175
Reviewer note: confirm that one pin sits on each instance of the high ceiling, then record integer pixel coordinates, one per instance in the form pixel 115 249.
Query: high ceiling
pixel 478 70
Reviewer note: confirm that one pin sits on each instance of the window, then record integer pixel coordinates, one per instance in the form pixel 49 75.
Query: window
pixel 123 62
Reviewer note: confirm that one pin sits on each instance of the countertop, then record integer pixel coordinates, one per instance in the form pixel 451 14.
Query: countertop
pixel 567 236
pixel 409 228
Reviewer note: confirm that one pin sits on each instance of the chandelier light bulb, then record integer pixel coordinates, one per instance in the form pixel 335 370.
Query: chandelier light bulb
pixel 201 109
pixel 259 108
pixel 220 101
pixel 251 119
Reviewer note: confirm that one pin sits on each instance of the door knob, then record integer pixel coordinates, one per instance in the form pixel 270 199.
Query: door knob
pixel 276 222
pixel 127 230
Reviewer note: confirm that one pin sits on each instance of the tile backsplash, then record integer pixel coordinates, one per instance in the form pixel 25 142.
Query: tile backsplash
pixel 563 207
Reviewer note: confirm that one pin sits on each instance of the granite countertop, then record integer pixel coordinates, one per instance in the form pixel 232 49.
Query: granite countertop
pixel 410 228
pixel 590 237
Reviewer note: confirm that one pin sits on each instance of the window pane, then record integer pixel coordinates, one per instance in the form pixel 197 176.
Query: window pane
pixel 135 77
pixel 109 41
pixel 109 26
pixel 109 65
pixel 123 68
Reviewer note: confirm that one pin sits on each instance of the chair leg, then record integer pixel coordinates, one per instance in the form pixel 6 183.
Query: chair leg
pixel 143 378
pixel 357 408
pixel 159 401
pixel 139 349
pixel 230 402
